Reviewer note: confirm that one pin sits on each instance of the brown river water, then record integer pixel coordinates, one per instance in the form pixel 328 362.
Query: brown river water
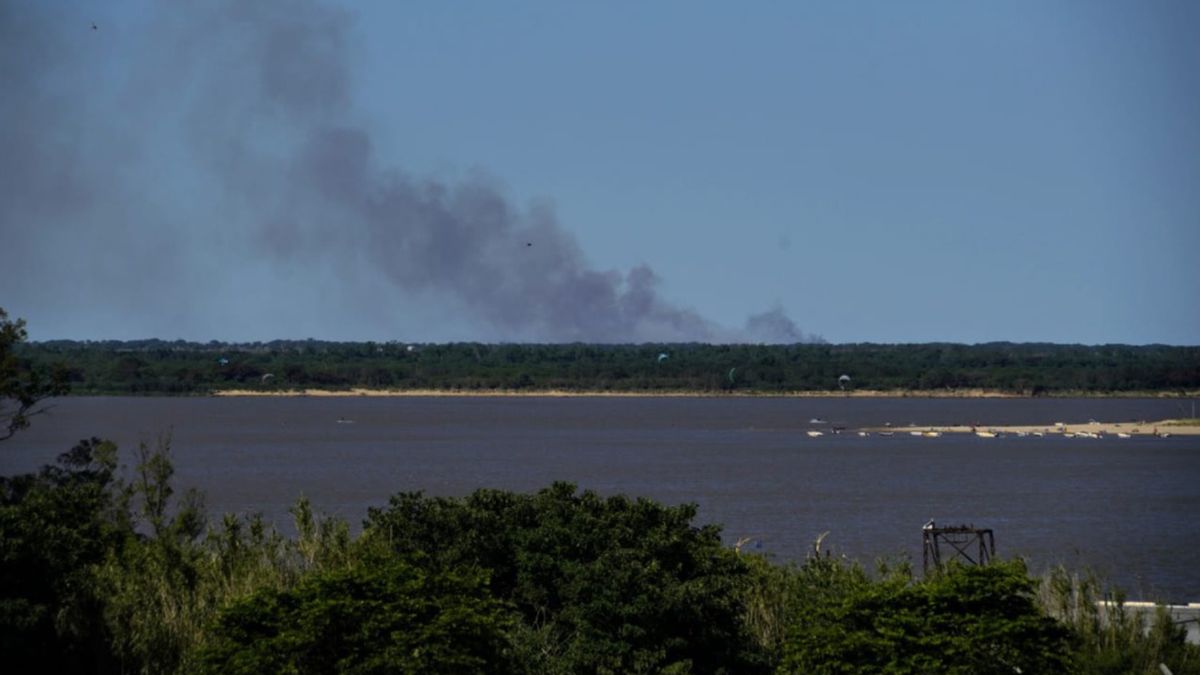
pixel 1127 508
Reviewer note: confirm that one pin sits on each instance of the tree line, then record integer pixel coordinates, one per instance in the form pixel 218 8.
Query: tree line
pixel 163 367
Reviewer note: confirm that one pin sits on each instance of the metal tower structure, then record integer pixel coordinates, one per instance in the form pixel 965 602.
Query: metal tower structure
pixel 971 544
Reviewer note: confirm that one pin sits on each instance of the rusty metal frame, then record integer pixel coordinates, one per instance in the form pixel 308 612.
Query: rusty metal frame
pixel 976 546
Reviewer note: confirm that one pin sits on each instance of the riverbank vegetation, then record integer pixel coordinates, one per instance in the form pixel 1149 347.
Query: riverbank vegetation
pixel 163 367
pixel 105 569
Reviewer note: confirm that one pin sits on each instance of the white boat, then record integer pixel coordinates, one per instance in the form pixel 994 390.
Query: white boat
pixel 1122 434
pixel 985 434
pixel 932 434
pixel 814 433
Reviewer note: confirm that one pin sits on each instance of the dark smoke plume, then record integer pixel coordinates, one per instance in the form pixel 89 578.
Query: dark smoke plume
pixel 226 179
pixel 774 327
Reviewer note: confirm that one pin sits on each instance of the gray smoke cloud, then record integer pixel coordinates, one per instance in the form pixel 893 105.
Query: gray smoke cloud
pixel 206 167
pixel 775 327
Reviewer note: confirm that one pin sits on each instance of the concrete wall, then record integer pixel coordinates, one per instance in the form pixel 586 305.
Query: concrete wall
pixel 1186 615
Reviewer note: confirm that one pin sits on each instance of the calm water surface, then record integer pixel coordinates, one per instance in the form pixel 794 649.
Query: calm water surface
pixel 1128 508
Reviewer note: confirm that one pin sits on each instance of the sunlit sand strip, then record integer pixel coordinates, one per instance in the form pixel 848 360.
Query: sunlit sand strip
pixel 1085 430
pixel 562 393
pixel 528 393
pixel 464 393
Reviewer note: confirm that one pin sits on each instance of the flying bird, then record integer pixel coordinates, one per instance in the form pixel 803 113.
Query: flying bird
pixel 94 27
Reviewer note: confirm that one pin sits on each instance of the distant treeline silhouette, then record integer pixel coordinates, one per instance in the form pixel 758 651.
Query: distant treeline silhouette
pixel 166 367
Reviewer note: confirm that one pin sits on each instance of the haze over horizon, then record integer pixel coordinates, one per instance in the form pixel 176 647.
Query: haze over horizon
pixel 620 173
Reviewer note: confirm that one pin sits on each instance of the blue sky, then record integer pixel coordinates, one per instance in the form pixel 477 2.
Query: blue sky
pixel 883 172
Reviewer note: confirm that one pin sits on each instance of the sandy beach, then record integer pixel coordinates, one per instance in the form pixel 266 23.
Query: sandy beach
pixel 552 393
pixel 1085 430
pixel 564 393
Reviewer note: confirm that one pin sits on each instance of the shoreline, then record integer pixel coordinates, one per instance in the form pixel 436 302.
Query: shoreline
pixel 1084 430
pixel 593 393
pixel 588 393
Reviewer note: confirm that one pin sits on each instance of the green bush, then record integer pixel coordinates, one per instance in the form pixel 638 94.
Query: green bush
pixel 1115 640
pixel 56 527
pixel 779 595
pixel 601 584
pixel 963 620
pixel 393 618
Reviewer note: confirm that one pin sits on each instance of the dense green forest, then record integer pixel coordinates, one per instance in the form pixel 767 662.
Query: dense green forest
pixel 162 367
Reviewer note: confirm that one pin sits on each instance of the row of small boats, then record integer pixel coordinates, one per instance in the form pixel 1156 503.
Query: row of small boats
pixel 992 433
pixel 814 433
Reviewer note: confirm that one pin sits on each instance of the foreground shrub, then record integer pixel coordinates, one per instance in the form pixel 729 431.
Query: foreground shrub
pixel 396 618
pixel 962 620
pixel 1115 640
pixel 601 584
pixel 56 527
pixel 780 595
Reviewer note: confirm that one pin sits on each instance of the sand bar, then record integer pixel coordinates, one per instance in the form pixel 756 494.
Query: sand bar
pixel 1086 429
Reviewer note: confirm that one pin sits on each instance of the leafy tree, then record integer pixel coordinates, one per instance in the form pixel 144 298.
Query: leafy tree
pixel 962 620
pixel 56 527
pixel 779 595
pixel 21 388
pixel 390 618
pixel 157 596
pixel 601 584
